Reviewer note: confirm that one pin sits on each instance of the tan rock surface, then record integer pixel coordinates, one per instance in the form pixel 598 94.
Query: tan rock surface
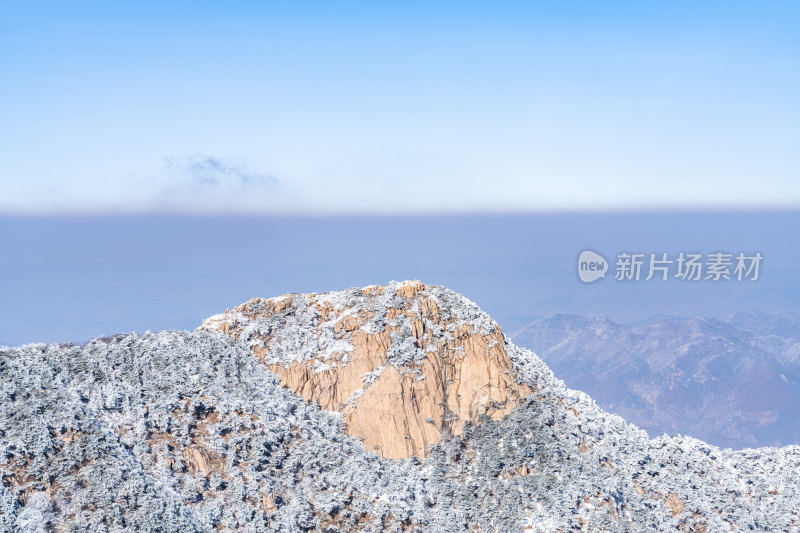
pixel 674 503
pixel 404 363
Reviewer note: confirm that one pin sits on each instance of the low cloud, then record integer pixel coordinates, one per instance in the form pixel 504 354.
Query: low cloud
pixel 207 172
pixel 209 184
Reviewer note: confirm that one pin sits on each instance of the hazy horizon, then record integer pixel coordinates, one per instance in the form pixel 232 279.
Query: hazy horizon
pixel 161 162
pixel 69 279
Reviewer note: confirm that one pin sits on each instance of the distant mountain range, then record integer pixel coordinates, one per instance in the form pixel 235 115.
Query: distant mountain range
pixel 733 382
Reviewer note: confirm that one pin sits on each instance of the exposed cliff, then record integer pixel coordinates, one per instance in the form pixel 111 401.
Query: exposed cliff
pixel 404 362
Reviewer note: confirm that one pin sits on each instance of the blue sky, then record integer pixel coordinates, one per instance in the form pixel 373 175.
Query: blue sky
pixel 412 107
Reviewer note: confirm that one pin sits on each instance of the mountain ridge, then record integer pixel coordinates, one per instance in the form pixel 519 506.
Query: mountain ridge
pixel 189 431
pixel 708 377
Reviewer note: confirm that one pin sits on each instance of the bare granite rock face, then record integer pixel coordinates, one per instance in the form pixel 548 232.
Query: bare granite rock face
pixel 405 363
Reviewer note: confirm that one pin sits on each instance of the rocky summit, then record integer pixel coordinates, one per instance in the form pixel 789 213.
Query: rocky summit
pixel 385 408
pixel 404 363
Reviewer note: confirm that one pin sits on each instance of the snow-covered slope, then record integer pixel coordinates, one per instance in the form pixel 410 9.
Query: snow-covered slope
pixel 189 431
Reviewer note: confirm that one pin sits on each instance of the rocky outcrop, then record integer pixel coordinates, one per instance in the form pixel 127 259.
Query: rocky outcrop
pixel 404 363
